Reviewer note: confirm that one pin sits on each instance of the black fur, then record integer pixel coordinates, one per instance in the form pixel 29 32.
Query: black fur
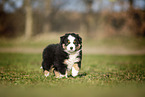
pixel 54 54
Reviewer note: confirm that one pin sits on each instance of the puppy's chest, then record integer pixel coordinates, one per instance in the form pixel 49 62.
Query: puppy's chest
pixel 73 58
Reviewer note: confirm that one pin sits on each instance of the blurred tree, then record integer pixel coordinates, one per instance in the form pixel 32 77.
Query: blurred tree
pixel 29 19
pixel 47 8
pixel 57 16
pixel 131 4
pixel 89 4
pixel 122 4
pixel 88 17
pixel 137 17
pixel 8 17
pixel 112 4
pixel 51 8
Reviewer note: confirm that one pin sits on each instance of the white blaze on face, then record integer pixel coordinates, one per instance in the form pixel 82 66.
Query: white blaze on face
pixel 71 46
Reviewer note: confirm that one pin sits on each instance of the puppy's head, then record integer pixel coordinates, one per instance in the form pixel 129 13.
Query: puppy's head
pixel 71 42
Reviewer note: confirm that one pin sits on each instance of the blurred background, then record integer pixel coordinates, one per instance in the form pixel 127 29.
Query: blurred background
pixel 107 26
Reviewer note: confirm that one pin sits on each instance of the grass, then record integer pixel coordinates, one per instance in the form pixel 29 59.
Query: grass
pixel 22 70
pixel 21 76
pixel 101 71
pixel 40 41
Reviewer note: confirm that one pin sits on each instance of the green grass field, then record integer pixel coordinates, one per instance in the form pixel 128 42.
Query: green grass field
pixel 101 71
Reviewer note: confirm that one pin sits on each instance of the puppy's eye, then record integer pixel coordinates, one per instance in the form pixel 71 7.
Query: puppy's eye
pixel 74 41
pixel 68 42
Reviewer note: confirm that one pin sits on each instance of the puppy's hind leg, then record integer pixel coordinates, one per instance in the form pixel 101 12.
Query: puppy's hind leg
pixel 46 68
pixel 59 75
pixel 46 73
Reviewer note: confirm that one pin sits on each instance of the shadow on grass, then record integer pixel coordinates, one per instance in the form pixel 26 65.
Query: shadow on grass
pixel 79 75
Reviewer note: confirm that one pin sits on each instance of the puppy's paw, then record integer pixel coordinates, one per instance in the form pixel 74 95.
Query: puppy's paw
pixel 46 73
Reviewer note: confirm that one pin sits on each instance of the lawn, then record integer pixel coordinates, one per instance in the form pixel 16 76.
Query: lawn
pixel 21 72
pixel 102 71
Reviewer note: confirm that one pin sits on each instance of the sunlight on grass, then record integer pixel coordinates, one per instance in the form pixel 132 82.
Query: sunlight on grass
pixel 23 70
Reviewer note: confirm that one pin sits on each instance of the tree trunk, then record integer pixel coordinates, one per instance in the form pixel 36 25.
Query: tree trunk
pixel 86 21
pixel 131 4
pixel 46 26
pixel 29 19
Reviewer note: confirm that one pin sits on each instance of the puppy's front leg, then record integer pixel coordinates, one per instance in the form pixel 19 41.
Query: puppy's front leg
pixel 75 70
pixel 59 75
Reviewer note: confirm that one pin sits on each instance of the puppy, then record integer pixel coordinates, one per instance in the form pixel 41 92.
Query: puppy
pixel 63 57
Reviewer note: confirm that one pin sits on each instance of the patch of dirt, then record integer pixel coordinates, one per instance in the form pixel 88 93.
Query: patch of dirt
pixel 114 51
pixel 86 50
pixel 21 50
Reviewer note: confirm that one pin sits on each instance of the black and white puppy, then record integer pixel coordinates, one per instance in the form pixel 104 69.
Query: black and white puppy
pixel 63 57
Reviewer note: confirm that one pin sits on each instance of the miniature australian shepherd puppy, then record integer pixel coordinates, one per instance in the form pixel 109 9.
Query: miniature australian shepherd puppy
pixel 63 57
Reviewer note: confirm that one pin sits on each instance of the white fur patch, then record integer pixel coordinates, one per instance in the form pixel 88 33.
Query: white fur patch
pixel 72 59
pixel 74 72
pixel 71 39
pixel 63 75
pixel 47 74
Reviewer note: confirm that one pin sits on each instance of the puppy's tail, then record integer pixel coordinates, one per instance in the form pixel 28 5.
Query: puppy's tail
pixel 41 67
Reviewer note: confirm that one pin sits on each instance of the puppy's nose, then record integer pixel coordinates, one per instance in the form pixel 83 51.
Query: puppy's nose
pixel 71 48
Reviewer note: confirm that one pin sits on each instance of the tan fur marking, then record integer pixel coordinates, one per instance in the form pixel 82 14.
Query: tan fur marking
pixel 46 72
pixel 51 70
pixel 78 47
pixel 63 45
pixel 76 67
pixel 57 74
pixel 65 61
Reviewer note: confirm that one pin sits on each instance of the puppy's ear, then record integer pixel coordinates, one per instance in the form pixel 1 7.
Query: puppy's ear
pixel 62 39
pixel 79 38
